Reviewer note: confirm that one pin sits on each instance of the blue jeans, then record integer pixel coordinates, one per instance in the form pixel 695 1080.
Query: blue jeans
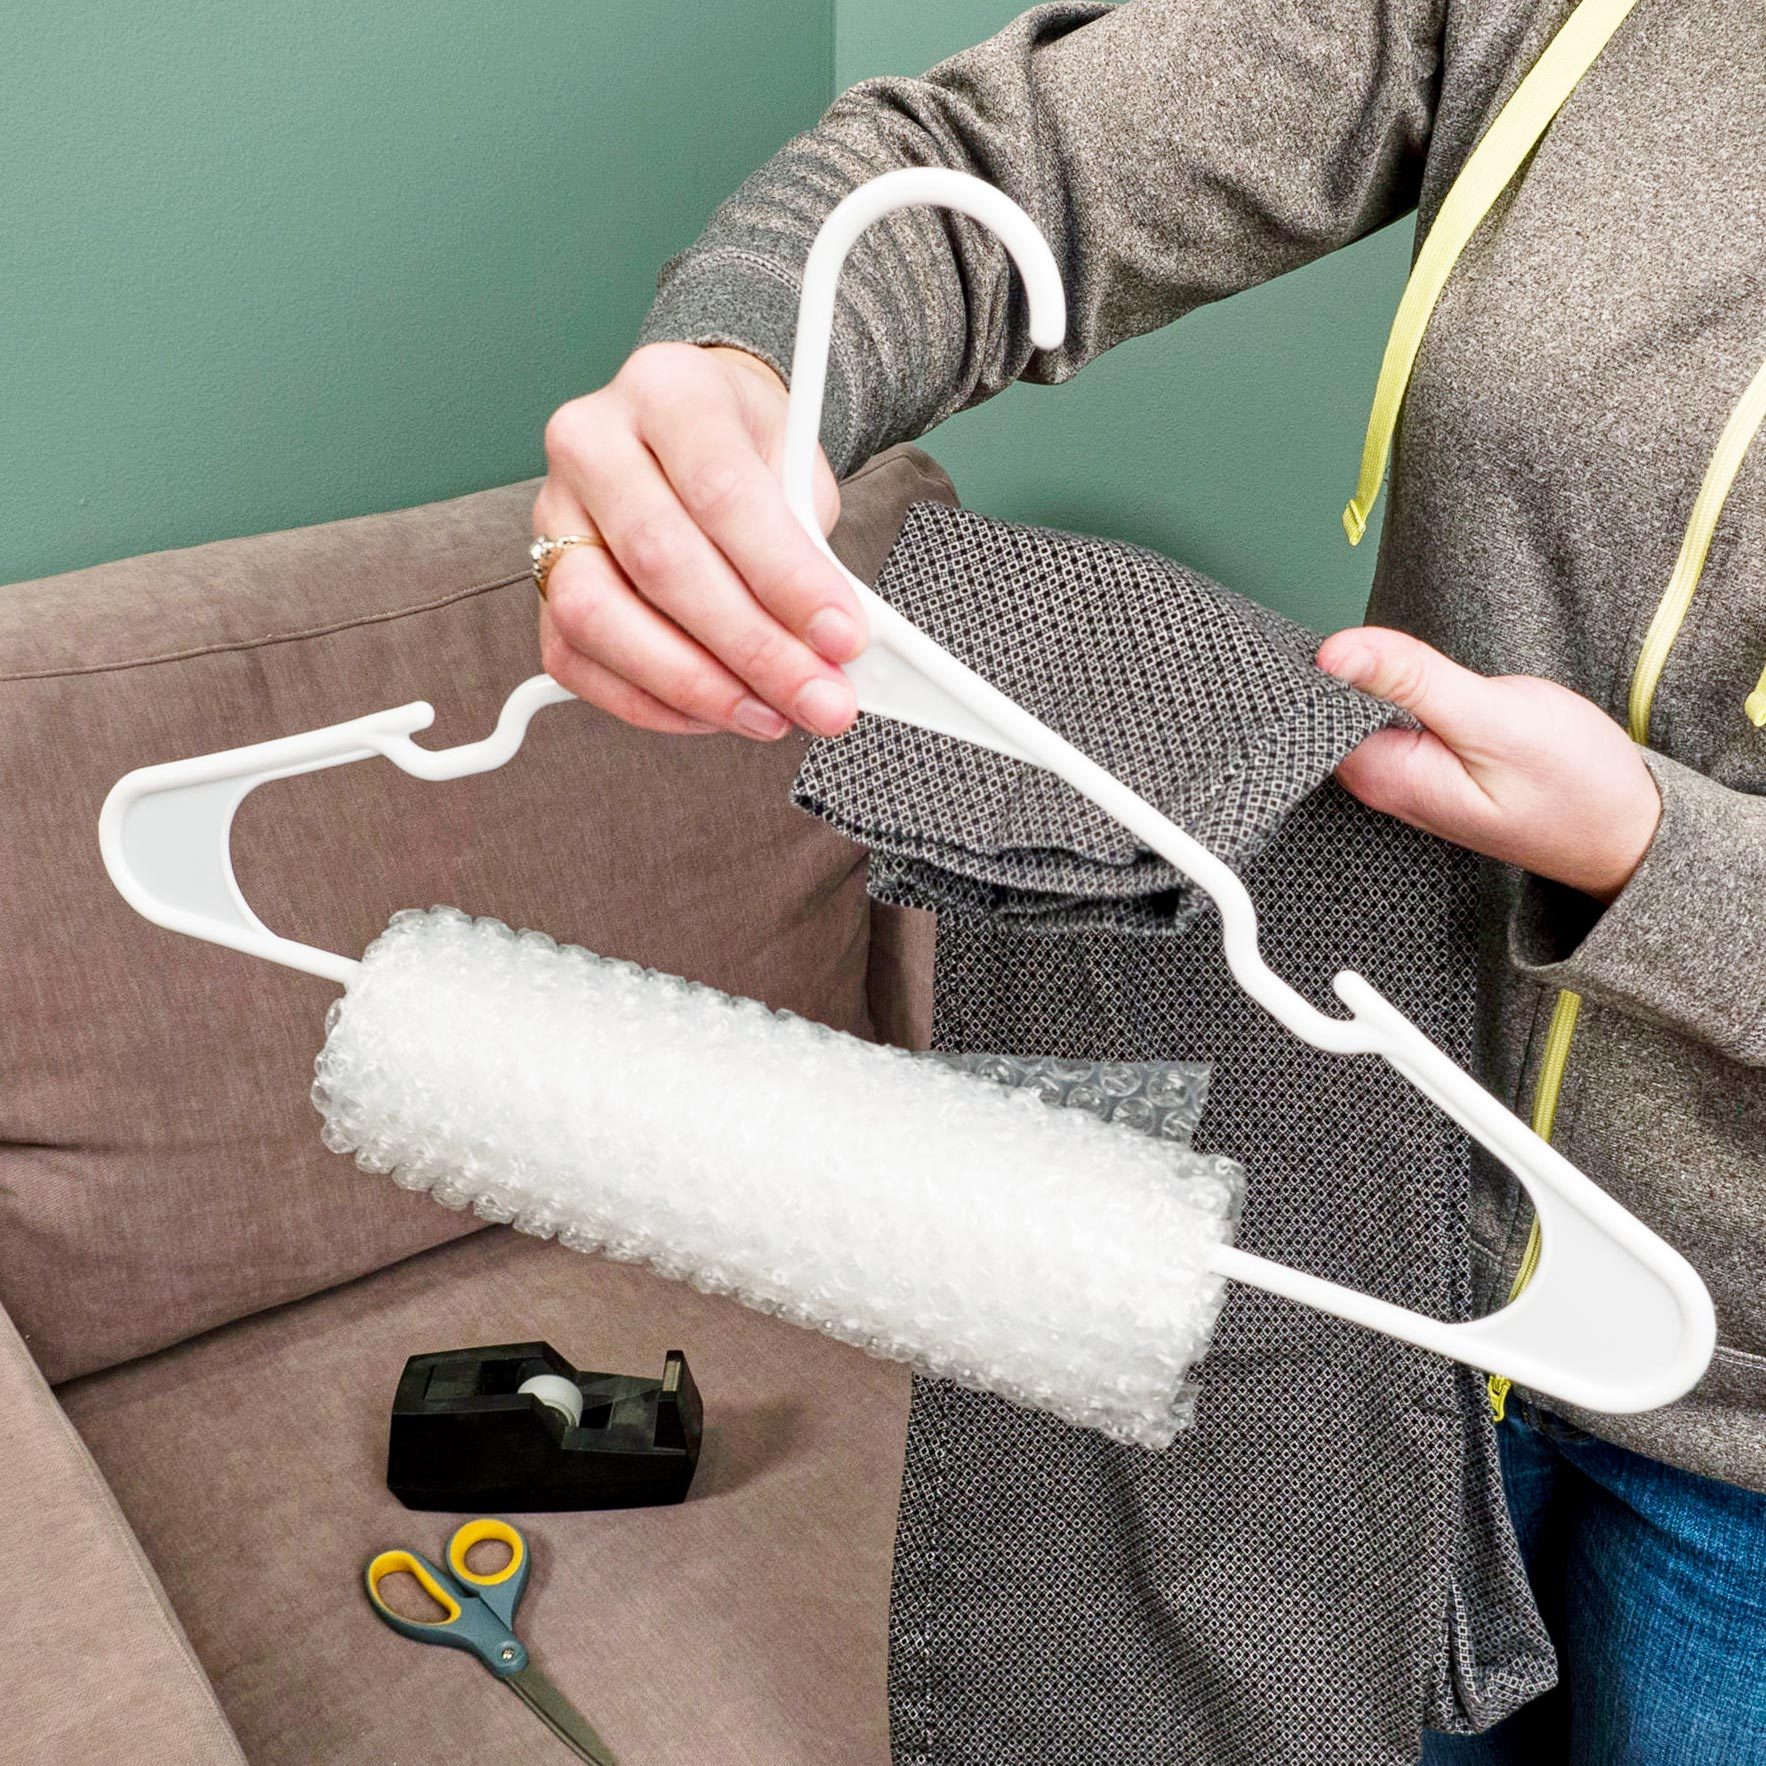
pixel 1652 1582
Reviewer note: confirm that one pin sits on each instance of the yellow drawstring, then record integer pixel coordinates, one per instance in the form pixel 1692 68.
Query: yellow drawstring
pixel 1485 175
pixel 1695 546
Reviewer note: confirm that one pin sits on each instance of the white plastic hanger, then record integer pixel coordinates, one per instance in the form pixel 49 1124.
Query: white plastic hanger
pixel 1613 1320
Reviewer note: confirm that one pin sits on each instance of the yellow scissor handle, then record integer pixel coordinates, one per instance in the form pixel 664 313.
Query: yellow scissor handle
pixel 473 1533
pixel 389 1563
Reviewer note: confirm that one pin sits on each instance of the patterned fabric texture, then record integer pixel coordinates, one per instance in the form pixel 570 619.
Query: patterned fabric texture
pixel 1203 702
pixel 1323 1565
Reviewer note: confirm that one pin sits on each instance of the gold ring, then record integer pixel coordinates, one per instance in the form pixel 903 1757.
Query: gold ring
pixel 545 552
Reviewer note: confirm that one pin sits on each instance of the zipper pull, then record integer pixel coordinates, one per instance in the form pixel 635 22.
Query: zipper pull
pixel 1756 703
pixel 1498 1388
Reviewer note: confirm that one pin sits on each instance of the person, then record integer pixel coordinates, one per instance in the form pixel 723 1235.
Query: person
pixel 1568 598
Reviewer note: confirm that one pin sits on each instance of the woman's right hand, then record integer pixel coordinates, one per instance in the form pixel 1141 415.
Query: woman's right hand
pixel 704 605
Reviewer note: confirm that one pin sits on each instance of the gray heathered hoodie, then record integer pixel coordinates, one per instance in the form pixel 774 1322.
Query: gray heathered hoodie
pixel 1589 347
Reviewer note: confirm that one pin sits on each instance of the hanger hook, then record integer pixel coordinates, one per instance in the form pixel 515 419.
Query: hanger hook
pixel 938 187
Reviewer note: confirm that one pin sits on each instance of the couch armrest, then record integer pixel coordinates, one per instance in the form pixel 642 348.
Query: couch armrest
pixel 93 1662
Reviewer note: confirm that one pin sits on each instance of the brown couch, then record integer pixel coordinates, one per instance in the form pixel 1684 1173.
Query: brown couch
pixel 205 1313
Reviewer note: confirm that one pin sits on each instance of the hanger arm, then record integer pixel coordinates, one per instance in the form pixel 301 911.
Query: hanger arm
pixel 166 831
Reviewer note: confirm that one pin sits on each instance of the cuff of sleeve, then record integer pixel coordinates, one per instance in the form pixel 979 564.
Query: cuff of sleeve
pixel 742 299
pixel 1681 944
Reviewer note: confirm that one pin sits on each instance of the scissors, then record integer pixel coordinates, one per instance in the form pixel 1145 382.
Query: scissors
pixel 479 1617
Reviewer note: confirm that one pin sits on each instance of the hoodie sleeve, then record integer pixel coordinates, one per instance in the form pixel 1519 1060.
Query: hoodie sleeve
pixel 1173 152
pixel 1683 944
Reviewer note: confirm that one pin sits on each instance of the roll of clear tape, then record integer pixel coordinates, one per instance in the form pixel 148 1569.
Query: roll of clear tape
pixel 556 1393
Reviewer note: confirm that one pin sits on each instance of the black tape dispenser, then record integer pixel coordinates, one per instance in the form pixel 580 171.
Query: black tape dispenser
pixel 516 1427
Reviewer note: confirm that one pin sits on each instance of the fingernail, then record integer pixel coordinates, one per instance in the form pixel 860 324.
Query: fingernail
pixel 1352 665
pixel 758 720
pixel 824 707
pixel 835 634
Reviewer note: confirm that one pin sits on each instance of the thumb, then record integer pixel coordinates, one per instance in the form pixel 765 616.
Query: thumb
pixel 1451 701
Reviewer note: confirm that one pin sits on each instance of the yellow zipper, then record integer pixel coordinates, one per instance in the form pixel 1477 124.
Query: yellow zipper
pixel 1488 171
pixel 1546 1093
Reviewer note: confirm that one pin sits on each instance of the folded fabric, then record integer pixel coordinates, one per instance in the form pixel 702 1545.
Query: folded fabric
pixel 1324 1562
pixel 1205 703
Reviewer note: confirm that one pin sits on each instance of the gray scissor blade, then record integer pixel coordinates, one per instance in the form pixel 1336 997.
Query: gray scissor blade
pixel 560 1716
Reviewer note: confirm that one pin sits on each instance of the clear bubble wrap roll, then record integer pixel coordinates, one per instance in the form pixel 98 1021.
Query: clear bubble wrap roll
pixel 899 1204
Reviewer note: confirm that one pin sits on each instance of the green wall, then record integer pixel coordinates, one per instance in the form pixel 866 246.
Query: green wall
pixel 270 264
pixel 1229 441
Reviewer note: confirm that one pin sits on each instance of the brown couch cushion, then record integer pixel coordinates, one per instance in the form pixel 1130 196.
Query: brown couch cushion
pixel 746 1627
pixel 160 1168
pixel 96 1664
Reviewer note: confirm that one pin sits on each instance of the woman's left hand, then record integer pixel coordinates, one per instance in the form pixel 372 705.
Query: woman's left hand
pixel 1515 767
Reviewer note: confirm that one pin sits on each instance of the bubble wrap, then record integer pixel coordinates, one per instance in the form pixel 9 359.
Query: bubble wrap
pixel 1157 1097
pixel 895 1203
